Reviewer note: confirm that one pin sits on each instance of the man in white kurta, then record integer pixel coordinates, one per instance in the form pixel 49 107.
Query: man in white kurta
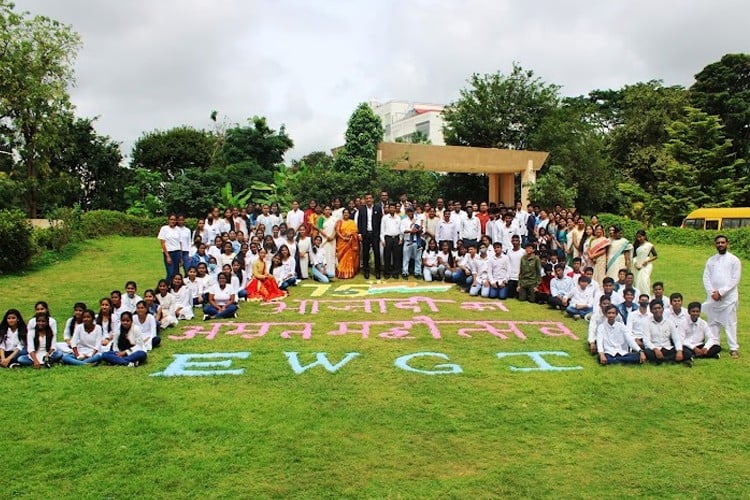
pixel 721 278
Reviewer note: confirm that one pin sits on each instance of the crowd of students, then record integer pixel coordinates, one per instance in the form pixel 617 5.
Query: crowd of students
pixel 121 332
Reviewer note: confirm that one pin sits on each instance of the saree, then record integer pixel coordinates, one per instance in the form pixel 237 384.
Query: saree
pixel 597 254
pixel 643 275
pixel 261 287
pixel 347 249
pixel 616 256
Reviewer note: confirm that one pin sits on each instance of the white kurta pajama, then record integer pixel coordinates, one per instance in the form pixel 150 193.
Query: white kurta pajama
pixel 722 273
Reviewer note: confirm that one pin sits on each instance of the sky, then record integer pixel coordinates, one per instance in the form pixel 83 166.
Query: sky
pixel 156 64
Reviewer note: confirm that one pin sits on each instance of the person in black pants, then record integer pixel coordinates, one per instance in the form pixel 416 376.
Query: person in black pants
pixel 368 225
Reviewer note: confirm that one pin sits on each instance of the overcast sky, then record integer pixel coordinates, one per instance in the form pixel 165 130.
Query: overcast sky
pixel 157 64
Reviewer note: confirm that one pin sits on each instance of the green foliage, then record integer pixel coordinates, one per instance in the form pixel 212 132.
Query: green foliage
pixel 463 186
pixel 172 151
pixel 629 227
pixel 550 189
pixel 37 68
pixel 417 184
pixel 257 143
pixel 193 192
pixel 17 244
pixel 229 199
pixel 90 165
pixel 723 88
pixel 358 158
pixel 500 111
pixel 739 239
pixel 143 194
pixel 98 223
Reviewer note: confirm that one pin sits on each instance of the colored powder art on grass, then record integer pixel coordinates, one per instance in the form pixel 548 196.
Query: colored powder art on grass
pixel 420 325
pixel 218 363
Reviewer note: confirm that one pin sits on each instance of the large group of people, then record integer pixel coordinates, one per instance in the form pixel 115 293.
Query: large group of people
pixel 559 258
pixel 123 329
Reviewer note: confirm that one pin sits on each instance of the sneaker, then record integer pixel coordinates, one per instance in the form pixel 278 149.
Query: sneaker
pixel 134 364
pixel 46 363
pixel 734 354
pixel 587 317
pixel 205 317
pixel 688 363
pixel 235 315
pixel 14 365
pixel 576 317
pixel 717 356
pixel 405 276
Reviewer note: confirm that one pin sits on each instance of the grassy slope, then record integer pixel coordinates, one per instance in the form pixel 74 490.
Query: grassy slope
pixel 369 429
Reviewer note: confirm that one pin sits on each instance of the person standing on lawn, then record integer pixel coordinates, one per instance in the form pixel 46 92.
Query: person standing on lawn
pixel 720 280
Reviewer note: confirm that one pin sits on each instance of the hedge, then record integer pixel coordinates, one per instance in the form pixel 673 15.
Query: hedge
pixel 17 243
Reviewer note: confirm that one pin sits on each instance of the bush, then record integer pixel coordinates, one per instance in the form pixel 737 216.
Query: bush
pixel 739 239
pixel 17 244
pixel 629 226
pixel 98 223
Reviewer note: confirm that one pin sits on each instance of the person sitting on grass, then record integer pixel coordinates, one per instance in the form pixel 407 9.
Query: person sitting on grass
pixel 697 336
pixel 12 331
pixel 167 305
pixel 661 339
pixel 131 298
pixel 127 347
pixel 597 318
pixel 581 299
pixel 146 323
pixel 263 286
pixel 221 300
pixel 320 270
pixel 70 326
pixel 86 342
pixel 560 286
pixel 613 341
pixel 658 292
pixel 40 344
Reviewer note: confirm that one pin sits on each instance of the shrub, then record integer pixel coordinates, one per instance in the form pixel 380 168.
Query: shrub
pixel 629 226
pixel 17 244
pixel 739 239
pixel 99 223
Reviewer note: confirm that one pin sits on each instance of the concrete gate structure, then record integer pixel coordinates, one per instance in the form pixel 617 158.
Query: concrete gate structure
pixel 500 165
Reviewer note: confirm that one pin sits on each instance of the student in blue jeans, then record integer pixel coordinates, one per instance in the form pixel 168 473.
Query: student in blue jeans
pixel 128 348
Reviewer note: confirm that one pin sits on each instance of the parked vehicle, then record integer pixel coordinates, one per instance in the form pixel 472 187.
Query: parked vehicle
pixel 718 218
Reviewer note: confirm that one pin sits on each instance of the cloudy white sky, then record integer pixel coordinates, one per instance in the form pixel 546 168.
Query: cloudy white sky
pixel 156 64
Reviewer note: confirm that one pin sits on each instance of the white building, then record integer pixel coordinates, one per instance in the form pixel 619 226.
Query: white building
pixel 401 119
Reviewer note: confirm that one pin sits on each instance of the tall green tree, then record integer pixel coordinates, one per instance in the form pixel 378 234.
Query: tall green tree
pixel 357 160
pixel 171 151
pixel 91 163
pixel 701 170
pixel 36 69
pixel 723 88
pixel 500 111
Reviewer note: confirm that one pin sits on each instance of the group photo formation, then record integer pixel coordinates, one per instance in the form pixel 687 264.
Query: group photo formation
pixel 283 249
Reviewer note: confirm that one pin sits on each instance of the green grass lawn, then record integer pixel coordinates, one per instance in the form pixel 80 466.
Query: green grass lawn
pixel 370 429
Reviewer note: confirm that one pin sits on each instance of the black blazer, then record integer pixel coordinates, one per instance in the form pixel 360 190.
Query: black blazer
pixel 377 216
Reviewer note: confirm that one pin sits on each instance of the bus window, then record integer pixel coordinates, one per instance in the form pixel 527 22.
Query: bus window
pixel 712 224
pixel 694 223
pixel 731 223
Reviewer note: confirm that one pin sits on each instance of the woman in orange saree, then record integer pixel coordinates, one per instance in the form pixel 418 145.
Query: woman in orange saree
pixel 263 286
pixel 347 247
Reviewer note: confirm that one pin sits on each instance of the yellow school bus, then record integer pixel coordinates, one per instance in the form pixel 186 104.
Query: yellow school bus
pixel 718 218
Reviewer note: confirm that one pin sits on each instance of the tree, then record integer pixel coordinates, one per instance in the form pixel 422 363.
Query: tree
pixel 171 151
pixel 91 164
pixel 144 193
pixel 723 88
pixel 639 115
pixel 702 169
pixel 36 61
pixel 358 158
pixel 551 189
pixel 499 111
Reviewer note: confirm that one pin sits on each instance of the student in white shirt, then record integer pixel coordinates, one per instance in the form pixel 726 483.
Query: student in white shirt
pixel 183 299
pixel 167 305
pixel 675 313
pixel 597 318
pixel 41 307
pixel 170 238
pixel 40 344
pixel 661 340
pixel 447 260
pixel 515 254
pixel 480 284
pixel 581 299
pixel 196 286
pixel 560 286
pixel 304 245
pixel 698 339
pixel 128 348
pixel 146 323
pixel 239 280
pixel 131 298
pixel 639 320
pixel 295 217
pixel 318 263
pixel 499 273
pixel 430 266
pixel 221 300
pixel 12 330
pixel 613 342
pixel 288 276
pixel 86 342
pixel 70 325
pixel 107 320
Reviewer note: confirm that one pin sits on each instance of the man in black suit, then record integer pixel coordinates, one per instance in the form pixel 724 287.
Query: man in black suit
pixel 368 224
